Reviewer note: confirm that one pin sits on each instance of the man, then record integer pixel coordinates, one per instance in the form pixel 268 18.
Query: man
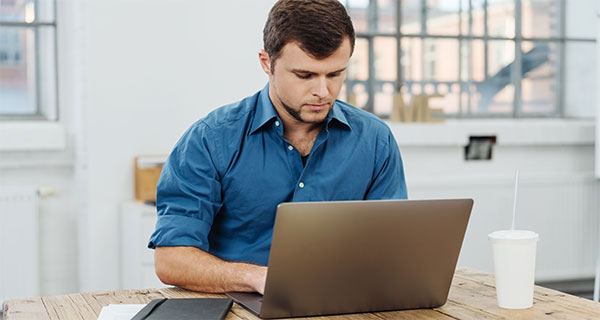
pixel 292 141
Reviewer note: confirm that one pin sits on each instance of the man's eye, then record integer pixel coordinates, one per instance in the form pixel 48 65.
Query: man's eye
pixel 303 76
pixel 333 75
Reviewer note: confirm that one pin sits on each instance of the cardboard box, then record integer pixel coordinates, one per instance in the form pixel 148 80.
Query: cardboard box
pixel 147 171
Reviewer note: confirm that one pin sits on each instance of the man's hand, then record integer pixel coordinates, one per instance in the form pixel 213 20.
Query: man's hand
pixel 193 269
pixel 260 279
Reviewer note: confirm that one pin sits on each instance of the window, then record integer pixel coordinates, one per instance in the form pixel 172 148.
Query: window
pixel 485 58
pixel 28 80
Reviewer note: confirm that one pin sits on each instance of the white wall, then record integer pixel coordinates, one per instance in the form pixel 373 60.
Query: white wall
pixel 580 79
pixel 153 68
pixel 558 193
pixel 135 74
pixel 597 104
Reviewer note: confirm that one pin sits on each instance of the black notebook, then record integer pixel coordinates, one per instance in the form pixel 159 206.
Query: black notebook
pixel 194 308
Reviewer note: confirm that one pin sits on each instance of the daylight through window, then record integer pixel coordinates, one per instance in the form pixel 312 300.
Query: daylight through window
pixel 480 58
pixel 28 60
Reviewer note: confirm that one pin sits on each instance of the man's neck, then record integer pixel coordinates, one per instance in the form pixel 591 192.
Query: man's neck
pixel 302 141
pixel 300 134
pixel 293 127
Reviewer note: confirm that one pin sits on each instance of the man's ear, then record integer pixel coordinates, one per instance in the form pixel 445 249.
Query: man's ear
pixel 265 61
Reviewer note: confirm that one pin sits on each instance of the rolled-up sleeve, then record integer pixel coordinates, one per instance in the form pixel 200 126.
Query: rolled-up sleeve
pixel 188 192
pixel 388 181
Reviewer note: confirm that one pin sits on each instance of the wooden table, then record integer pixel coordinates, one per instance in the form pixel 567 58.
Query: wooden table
pixel 472 296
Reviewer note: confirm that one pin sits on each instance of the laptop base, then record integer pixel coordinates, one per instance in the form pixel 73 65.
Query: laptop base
pixel 252 301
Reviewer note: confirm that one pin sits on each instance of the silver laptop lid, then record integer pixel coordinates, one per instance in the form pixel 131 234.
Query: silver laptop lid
pixel 363 256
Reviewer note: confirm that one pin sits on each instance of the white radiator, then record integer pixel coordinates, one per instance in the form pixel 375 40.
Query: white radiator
pixel 19 243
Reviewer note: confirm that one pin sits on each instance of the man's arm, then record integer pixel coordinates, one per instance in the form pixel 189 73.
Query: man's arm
pixel 193 269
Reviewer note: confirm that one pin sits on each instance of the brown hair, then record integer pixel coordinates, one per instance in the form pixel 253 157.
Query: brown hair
pixel 318 26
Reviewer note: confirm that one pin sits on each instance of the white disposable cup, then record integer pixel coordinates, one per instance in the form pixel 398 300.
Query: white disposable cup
pixel 514 266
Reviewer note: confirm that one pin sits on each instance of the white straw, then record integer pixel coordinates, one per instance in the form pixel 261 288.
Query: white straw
pixel 515 200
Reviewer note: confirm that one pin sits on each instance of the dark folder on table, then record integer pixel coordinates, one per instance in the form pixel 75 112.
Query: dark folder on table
pixel 194 308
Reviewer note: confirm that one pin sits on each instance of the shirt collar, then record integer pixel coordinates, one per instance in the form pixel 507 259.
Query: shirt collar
pixel 337 114
pixel 265 111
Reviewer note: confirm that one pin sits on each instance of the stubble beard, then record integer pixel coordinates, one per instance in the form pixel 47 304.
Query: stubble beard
pixel 296 114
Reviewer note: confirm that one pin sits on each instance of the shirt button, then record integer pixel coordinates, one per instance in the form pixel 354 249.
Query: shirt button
pixel 301 185
pixel 290 148
pixel 277 123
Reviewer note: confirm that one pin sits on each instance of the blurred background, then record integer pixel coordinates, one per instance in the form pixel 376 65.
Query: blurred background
pixel 88 85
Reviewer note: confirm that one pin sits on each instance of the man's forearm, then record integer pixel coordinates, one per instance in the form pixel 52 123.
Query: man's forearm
pixel 193 269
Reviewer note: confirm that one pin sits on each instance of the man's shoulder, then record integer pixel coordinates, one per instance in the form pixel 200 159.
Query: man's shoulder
pixel 361 119
pixel 231 114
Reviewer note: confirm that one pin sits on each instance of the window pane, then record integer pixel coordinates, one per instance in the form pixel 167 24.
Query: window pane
pixel 358 94
pixel 473 61
pixel 46 45
pixel 430 66
pixel 501 55
pixel 480 102
pixel 440 59
pixel 358 74
pixel 475 76
pixel 27 10
pixel 384 98
pixel 501 18
pixel 440 71
pixel 442 17
pixel 472 74
pixel 358 66
pixel 410 59
pixel 411 15
pixel 385 58
pixel 495 93
pixel 17 71
pixel 442 95
pixel 541 18
pixel 478 17
pixel 540 74
pixel 387 15
pixel 358 10
pixel 385 74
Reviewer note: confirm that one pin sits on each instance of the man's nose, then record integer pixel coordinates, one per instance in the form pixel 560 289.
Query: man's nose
pixel 320 90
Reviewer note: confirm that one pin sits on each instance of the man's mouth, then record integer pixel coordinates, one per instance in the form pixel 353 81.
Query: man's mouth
pixel 317 106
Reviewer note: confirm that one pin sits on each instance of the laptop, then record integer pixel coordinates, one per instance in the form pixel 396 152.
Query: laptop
pixel 360 256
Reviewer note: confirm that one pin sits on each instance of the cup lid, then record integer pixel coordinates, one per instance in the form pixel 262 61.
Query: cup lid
pixel 513 235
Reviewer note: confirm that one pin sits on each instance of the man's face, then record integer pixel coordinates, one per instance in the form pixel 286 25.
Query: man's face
pixel 303 88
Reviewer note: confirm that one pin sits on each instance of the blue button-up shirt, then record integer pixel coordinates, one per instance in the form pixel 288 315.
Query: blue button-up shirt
pixel 221 185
